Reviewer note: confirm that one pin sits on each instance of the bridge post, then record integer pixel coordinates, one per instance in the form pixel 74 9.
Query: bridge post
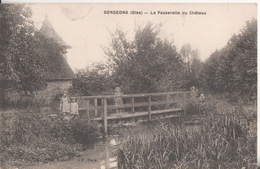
pixel 167 99
pixel 133 102
pixel 105 116
pixel 96 112
pixel 184 103
pixel 149 108
pixel 88 109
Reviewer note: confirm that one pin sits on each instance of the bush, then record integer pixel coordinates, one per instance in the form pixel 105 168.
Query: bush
pixel 30 135
pixel 193 107
pixel 21 100
pixel 84 131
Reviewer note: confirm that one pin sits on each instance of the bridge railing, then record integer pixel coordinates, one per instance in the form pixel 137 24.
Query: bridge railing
pixel 99 105
pixel 96 103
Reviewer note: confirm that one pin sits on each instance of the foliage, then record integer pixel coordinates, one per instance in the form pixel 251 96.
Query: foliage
pixel 144 64
pixel 193 66
pixel 31 135
pixel 233 69
pixel 194 107
pixel 93 80
pixel 19 60
pixel 225 139
pixel 84 131
pixel 115 128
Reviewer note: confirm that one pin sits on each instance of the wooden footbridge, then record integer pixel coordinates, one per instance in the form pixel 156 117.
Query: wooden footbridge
pixel 147 105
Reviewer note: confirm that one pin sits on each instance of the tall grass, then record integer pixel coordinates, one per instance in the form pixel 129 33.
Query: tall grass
pixel 226 138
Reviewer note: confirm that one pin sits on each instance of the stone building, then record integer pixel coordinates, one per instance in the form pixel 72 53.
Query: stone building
pixel 58 74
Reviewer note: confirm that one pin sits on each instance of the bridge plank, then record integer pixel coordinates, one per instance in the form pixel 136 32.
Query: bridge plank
pixel 139 114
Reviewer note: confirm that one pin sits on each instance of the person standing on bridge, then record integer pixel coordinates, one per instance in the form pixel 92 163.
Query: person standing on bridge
pixel 118 101
pixel 202 98
pixel 193 92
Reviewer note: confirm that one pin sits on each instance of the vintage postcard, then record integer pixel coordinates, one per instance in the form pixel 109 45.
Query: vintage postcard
pixel 125 86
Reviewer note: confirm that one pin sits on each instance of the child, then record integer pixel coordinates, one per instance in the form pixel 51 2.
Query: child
pixel 118 101
pixel 193 92
pixel 202 98
pixel 64 104
pixel 74 110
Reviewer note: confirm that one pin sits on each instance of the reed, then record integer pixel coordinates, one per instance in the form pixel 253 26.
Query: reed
pixel 226 138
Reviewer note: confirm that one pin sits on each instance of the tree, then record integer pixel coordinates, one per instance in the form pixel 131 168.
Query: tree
pixel 195 70
pixel 93 80
pixel 208 74
pixel 193 65
pixel 186 54
pixel 245 64
pixel 144 64
pixel 233 69
pixel 19 60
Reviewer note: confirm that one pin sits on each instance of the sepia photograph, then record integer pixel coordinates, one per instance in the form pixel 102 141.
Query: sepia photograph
pixel 128 86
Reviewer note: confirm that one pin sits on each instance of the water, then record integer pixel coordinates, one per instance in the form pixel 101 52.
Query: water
pixel 102 155
pixel 99 156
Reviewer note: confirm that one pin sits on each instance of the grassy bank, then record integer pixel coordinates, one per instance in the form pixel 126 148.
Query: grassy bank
pixel 226 138
pixel 30 135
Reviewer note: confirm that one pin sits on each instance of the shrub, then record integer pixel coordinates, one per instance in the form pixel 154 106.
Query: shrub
pixel 114 128
pixel 84 131
pixel 193 107
pixel 30 135
pixel 21 100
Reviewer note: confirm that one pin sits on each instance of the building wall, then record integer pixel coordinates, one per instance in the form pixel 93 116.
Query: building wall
pixel 54 91
pixel 58 87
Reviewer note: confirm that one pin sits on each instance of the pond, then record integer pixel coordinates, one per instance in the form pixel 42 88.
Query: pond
pixel 102 154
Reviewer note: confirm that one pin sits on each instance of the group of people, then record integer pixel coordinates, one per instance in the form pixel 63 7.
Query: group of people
pixel 69 109
pixel 194 92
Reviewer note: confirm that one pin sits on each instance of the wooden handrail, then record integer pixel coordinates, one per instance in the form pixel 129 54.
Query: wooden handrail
pixel 131 95
pixel 140 104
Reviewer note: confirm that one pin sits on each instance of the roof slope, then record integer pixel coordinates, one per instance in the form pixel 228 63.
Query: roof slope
pixel 55 65
pixel 49 31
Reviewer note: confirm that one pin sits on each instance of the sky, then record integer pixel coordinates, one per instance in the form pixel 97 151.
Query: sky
pixel 86 28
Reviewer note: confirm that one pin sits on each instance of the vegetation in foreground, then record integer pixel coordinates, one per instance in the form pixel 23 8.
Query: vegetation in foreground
pixel 226 138
pixel 31 135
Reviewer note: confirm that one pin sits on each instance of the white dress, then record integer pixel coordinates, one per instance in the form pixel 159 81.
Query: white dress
pixel 118 100
pixel 65 107
pixel 74 108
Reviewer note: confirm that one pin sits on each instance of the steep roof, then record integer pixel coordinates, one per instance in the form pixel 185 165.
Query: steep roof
pixel 55 65
pixel 49 31
pixel 58 68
